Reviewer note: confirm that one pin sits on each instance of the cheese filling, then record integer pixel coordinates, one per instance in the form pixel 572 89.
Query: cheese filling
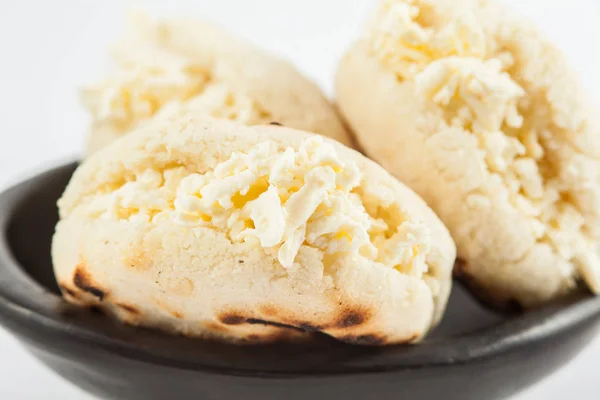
pixel 152 80
pixel 282 200
pixel 406 46
pixel 290 199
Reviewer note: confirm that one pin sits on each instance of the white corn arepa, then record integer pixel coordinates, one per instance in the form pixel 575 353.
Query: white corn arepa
pixel 165 67
pixel 213 229
pixel 469 105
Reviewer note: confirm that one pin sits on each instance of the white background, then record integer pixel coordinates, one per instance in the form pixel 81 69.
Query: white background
pixel 50 47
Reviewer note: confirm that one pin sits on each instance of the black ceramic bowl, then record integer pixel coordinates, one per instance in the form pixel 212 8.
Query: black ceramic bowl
pixel 473 354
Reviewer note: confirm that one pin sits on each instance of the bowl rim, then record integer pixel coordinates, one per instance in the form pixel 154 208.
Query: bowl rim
pixel 24 303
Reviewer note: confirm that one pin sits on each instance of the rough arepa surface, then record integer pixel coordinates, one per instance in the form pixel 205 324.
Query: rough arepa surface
pixel 172 66
pixel 214 229
pixel 480 114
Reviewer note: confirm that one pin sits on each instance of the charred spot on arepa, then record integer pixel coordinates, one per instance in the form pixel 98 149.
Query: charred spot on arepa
pixel 352 317
pixel 129 309
pixel 83 281
pixel 365 340
pixel 309 327
pixel 273 313
pixel 275 123
pixel 232 319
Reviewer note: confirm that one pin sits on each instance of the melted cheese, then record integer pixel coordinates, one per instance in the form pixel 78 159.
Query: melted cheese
pixel 288 199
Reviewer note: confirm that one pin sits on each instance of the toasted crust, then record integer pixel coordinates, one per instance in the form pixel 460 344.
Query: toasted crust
pixel 405 132
pixel 273 88
pixel 196 281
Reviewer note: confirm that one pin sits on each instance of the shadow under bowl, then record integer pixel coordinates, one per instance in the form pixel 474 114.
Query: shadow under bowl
pixel 474 353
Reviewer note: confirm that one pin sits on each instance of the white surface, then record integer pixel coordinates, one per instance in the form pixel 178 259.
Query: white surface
pixel 51 47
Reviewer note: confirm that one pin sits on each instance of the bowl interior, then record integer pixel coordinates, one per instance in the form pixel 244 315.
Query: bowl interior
pixel 27 218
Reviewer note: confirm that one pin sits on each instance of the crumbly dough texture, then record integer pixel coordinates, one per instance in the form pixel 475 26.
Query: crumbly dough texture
pixel 181 65
pixel 477 112
pixel 176 226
